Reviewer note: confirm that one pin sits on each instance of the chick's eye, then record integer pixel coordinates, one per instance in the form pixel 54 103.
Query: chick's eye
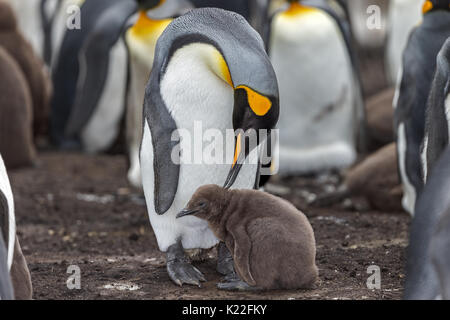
pixel 202 204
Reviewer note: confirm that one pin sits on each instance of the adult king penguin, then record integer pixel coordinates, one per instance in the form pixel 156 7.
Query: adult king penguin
pixel 310 49
pixel 427 267
pixel 210 70
pixel 66 70
pixel 437 119
pixel 419 65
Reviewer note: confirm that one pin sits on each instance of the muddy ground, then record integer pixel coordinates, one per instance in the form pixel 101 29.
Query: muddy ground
pixel 78 210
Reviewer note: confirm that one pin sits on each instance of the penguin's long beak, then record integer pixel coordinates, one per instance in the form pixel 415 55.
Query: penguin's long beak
pixel 187 212
pixel 239 157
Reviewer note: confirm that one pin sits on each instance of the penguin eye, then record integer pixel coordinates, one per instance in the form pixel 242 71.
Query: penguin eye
pixel 202 204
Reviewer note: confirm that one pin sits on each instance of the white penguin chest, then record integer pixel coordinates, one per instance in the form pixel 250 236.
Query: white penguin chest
pixel 403 16
pixel 315 77
pixel 309 56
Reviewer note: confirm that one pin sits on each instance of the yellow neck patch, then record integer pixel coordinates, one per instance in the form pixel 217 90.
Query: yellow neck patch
pixel 428 6
pixel 145 26
pixel 296 9
pixel 221 68
pixel 258 103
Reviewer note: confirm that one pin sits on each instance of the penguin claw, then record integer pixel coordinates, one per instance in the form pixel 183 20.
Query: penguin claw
pixel 180 270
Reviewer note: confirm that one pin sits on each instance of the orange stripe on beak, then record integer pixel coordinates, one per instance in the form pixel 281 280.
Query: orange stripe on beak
pixel 238 150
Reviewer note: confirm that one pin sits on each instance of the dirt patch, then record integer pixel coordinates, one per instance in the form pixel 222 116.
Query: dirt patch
pixel 78 210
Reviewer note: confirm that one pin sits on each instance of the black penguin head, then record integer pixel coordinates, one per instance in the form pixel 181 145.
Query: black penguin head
pixel 431 5
pixel 254 116
pixel 205 203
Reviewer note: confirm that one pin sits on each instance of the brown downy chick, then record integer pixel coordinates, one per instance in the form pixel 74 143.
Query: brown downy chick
pixel 16 114
pixel 375 178
pixel 272 243
pixel 37 77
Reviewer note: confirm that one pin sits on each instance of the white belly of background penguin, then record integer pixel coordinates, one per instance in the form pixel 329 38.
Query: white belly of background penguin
pixel 210 71
pixel 317 91
pixel 404 15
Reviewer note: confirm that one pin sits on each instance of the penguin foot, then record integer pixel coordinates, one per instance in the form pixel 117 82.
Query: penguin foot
pixel 237 285
pixel 225 264
pixel 232 282
pixel 179 268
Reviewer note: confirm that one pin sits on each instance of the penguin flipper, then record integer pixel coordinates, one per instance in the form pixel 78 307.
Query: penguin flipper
pixel 94 63
pixel 166 170
pixel 241 254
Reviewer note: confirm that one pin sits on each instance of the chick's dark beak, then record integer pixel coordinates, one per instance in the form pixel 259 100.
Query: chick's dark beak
pixel 187 212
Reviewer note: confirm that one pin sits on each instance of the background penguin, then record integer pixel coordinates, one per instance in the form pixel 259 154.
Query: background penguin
pixel 437 121
pixel 404 15
pixel 210 66
pixel 425 278
pixel 272 242
pixel 419 64
pixel 17 266
pixel 375 178
pixel 66 71
pixel 31 66
pixel 308 46
pixel 16 137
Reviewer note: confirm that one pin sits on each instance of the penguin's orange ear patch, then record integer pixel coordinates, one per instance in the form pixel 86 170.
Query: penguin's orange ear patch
pixel 427 6
pixel 258 103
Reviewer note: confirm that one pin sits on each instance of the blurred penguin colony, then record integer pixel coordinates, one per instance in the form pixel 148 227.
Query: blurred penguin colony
pixel 119 76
